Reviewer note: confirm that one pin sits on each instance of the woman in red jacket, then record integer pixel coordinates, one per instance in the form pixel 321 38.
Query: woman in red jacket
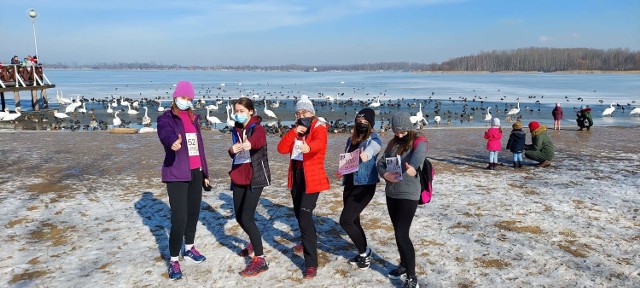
pixel 307 146
pixel 249 175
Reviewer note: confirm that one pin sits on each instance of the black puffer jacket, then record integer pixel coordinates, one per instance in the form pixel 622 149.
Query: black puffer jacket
pixel 516 141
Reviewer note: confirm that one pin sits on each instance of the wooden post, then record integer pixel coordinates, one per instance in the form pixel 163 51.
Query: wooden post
pixel 16 98
pixel 2 97
pixel 34 100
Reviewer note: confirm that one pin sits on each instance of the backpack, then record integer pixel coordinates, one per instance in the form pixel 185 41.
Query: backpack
pixel 426 176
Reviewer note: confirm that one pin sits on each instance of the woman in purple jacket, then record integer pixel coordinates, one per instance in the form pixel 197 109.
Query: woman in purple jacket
pixel 184 171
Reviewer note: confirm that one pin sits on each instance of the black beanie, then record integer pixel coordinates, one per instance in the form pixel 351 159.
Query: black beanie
pixel 368 115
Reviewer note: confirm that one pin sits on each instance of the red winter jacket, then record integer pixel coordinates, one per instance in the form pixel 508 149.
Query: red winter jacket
pixel 315 176
pixel 494 136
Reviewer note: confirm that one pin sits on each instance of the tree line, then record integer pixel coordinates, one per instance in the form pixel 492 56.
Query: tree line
pixel 538 59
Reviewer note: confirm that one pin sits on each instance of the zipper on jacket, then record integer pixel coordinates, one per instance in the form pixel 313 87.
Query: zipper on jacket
pixel 264 170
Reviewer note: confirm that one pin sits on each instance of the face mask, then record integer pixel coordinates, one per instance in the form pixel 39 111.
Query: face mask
pixel 306 122
pixel 241 118
pixel 362 127
pixel 400 140
pixel 183 104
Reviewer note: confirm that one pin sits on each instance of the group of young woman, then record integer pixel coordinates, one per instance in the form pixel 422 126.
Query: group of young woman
pixel 185 173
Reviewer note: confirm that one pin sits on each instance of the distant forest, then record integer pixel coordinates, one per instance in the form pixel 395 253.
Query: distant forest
pixel 523 59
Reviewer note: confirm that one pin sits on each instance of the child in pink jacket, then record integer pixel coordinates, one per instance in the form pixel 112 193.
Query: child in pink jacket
pixel 493 135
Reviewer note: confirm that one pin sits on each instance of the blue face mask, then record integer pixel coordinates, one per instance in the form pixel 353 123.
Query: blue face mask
pixel 241 118
pixel 183 104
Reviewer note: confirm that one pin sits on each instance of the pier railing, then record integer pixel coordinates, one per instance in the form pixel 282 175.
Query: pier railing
pixel 15 78
pixel 20 76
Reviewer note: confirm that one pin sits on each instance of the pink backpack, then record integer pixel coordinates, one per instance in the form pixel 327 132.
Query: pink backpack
pixel 426 175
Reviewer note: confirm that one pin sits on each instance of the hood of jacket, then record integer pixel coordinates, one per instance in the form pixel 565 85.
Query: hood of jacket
pixel 540 129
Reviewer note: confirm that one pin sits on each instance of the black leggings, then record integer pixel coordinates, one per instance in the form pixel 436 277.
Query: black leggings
pixel 245 201
pixel 184 199
pixel 303 205
pixel 355 199
pixel 402 212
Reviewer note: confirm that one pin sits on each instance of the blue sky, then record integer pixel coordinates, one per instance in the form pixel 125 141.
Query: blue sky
pixel 267 32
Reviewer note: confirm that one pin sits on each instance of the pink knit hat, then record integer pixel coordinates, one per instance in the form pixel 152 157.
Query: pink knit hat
pixel 184 89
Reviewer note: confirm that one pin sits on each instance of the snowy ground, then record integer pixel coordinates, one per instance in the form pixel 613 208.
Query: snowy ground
pixel 88 209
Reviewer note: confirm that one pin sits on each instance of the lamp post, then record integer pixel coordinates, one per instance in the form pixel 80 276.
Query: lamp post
pixel 32 13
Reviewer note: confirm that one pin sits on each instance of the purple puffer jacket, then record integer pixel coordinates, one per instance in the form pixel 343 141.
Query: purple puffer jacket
pixel 176 163
pixel 494 136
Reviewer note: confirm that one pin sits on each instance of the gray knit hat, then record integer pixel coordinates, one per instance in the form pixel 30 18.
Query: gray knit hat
pixel 401 121
pixel 495 122
pixel 305 104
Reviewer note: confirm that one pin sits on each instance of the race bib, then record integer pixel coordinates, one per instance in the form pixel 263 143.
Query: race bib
pixel 192 144
pixel 394 165
pixel 349 162
pixel 296 154
pixel 242 157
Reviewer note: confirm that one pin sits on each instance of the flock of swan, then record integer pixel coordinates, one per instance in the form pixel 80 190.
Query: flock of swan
pixel 134 108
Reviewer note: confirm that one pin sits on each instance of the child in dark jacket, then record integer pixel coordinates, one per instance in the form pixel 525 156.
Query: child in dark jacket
pixel 516 143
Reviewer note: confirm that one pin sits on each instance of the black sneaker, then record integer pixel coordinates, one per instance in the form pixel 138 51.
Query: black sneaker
pixel 411 282
pixel 363 263
pixel 397 273
pixel 355 260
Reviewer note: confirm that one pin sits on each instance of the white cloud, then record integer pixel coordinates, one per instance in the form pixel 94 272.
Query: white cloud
pixel 544 38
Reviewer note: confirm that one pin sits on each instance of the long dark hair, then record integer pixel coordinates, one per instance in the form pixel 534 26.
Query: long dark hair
pixel 406 146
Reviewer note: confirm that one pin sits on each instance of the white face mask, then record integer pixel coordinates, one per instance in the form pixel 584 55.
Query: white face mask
pixel 183 104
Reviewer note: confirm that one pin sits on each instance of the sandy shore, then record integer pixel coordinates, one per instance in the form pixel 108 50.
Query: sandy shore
pixel 88 208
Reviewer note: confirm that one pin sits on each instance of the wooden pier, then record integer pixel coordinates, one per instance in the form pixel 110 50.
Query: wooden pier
pixel 14 78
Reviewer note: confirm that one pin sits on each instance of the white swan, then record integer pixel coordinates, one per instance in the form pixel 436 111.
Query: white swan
pixel 116 120
pixel 375 104
pixel 4 113
pixel 269 112
pixel 419 116
pixel 230 122
pixel 146 120
pixel 59 115
pixel 275 105
pixel 437 119
pixel 83 109
pixel 64 100
pixel 635 111
pixel 131 111
pixel 109 110
pixel 72 107
pixel 514 111
pixel 329 98
pixel 136 104
pixel 12 116
pixel 488 116
pixel 114 104
pixel 212 107
pixel 213 119
pixel 609 111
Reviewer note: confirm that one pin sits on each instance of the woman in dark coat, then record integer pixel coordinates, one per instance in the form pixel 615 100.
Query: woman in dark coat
pixel 557 116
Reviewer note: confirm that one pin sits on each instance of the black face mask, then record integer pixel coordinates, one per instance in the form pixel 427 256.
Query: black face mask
pixel 306 122
pixel 400 140
pixel 362 128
